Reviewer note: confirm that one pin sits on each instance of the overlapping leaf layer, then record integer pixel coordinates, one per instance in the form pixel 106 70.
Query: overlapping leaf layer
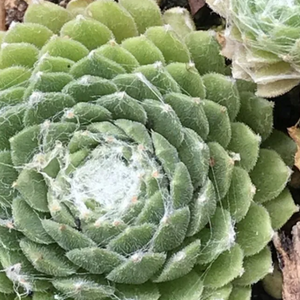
pixel 131 167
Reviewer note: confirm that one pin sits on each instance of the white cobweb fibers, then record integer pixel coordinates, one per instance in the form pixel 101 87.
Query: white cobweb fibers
pixel 107 179
pixel 111 177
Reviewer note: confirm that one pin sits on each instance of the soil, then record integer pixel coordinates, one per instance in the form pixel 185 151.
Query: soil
pixel 15 10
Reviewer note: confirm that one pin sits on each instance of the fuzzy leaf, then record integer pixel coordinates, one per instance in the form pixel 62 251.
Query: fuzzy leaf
pixel 202 208
pixel 115 17
pixel 269 175
pixel 256 267
pixel 132 239
pixel 172 230
pixel 190 112
pixel 138 8
pixel 199 44
pixel 90 33
pixel 181 186
pixel 143 266
pixel 83 289
pixel 163 120
pixel 169 44
pixel 96 65
pixel 189 287
pixel 65 236
pixel 123 106
pixel 8 175
pixel 180 263
pixel 29 223
pixel 187 76
pixel 240 194
pixel 256 226
pixel 225 268
pixel 43 14
pixel 143 50
pixel 49 260
pixel 120 55
pixel 34 34
pixel 137 86
pixel 221 168
pixel 95 260
pixel 194 153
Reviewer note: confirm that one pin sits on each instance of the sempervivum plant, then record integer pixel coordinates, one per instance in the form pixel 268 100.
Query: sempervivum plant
pixel 263 40
pixel 131 167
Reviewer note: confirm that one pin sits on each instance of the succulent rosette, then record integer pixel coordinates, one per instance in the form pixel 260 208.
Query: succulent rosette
pixel 262 39
pixel 131 167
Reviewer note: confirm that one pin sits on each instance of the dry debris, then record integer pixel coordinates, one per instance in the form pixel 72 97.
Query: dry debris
pixel 288 249
pixel 294 132
pixel 14 11
pixel 196 5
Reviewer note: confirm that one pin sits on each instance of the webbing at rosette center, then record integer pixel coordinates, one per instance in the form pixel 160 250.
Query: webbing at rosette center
pixel 104 183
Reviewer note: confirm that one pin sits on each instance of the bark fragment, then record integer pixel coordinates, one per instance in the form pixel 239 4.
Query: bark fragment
pixel 196 5
pixel 288 249
pixel 2 15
